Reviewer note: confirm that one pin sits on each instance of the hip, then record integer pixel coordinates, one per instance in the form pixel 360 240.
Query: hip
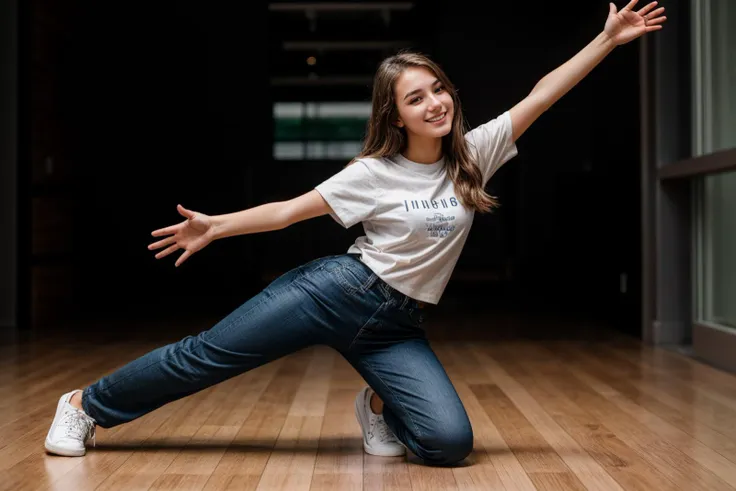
pixel 347 285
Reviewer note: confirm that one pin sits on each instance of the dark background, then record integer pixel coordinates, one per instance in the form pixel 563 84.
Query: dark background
pixel 125 110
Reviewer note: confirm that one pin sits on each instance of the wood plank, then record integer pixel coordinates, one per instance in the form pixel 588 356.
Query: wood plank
pixel 704 455
pixel 541 375
pixel 339 463
pixel 17 420
pixel 385 474
pixel 610 373
pixel 193 467
pixel 691 378
pixel 144 467
pixel 527 444
pixel 589 473
pixel 676 394
pixel 51 469
pixel 601 412
pixel 23 454
pixel 243 462
pixel 291 465
pixel 667 458
pixel 116 445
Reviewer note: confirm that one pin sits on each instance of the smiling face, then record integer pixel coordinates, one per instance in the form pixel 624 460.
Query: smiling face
pixel 425 107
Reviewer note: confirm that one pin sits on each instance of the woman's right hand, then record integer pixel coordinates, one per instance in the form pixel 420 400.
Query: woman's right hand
pixel 192 234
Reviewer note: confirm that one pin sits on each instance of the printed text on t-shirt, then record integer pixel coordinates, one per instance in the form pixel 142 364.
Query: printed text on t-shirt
pixel 425 204
pixel 438 225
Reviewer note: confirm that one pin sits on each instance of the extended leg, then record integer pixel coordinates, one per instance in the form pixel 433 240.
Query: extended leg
pixel 274 323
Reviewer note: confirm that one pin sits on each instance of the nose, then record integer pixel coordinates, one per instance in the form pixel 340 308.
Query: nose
pixel 434 102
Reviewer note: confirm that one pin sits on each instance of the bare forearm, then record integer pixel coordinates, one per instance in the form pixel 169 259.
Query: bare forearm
pixel 271 216
pixel 558 82
pixel 263 218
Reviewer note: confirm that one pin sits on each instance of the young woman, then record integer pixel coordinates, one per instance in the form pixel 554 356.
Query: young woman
pixel 415 188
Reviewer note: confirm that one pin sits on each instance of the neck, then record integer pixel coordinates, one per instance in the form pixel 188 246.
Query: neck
pixel 424 151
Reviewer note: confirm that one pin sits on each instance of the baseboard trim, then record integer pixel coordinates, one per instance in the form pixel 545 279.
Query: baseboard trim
pixel 716 344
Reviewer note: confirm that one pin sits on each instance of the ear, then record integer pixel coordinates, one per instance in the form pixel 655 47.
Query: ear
pixel 399 123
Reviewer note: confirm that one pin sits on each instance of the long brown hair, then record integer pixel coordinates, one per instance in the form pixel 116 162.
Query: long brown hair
pixel 384 138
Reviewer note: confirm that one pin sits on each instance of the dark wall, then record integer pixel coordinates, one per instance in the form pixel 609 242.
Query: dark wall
pixel 569 222
pixel 8 161
pixel 567 236
pixel 159 98
pixel 155 103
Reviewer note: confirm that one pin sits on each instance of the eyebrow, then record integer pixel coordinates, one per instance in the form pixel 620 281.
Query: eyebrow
pixel 415 91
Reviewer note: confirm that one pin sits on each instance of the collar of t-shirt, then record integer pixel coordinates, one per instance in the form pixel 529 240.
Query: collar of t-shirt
pixel 430 170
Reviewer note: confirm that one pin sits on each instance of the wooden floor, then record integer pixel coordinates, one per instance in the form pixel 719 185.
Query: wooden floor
pixel 590 410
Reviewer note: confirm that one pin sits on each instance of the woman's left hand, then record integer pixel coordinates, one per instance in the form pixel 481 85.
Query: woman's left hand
pixel 627 25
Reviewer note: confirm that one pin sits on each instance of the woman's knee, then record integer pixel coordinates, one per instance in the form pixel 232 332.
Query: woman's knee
pixel 446 446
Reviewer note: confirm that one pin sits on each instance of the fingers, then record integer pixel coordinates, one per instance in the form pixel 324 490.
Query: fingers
pixel 631 5
pixel 651 28
pixel 188 214
pixel 185 255
pixel 167 251
pixel 161 243
pixel 654 22
pixel 613 8
pixel 644 10
pixel 653 15
pixel 166 231
pixel 184 212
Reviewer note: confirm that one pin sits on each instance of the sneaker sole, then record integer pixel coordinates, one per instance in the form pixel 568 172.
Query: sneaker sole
pixel 368 449
pixel 50 447
pixel 65 452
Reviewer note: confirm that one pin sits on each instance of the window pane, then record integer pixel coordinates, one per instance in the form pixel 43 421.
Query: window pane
pixel 316 150
pixel 723 75
pixel 319 130
pixel 714 129
pixel 720 249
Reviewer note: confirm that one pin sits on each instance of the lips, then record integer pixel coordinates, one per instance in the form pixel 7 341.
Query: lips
pixel 437 118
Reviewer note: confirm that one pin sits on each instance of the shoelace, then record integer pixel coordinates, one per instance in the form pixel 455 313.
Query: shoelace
pixel 384 432
pixel 79 426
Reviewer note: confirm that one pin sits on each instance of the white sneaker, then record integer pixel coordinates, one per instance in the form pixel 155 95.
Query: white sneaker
pixel 378 439
pixel 70 430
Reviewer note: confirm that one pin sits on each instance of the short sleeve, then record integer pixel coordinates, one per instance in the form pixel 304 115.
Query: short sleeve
pixel 492 144
pixel 351 193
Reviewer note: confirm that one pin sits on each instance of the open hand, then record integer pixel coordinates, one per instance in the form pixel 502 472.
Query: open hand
pixel 627 25
pixel 192 234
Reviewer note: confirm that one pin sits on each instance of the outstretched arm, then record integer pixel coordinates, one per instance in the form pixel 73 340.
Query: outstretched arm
pixel 198 229
pixel 348 196
pixel 270 216
pixel 620 28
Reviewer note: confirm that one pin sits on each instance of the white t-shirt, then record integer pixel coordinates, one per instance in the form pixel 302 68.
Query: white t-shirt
pixel 415 226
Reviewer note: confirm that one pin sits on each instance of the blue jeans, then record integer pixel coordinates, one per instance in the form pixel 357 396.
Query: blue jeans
pixel 335 301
